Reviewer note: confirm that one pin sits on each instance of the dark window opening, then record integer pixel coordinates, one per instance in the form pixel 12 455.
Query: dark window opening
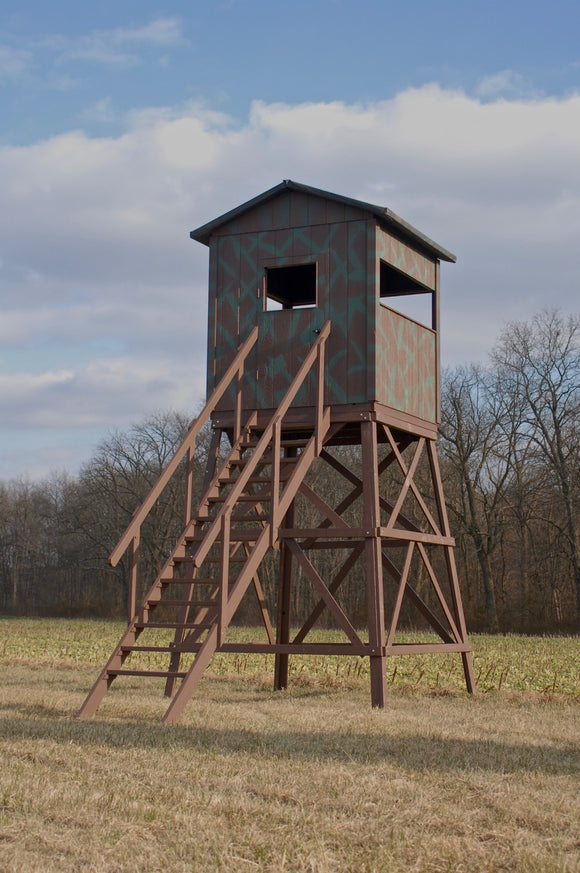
pixel 290 287
pixel 406 295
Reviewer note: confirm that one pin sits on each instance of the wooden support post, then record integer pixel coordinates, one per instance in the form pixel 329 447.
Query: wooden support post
pixel 451 566
pixel 238 405
pixel 320 396
pixel 212 456
pixel 189 460
pixel 275 483
pixel 284 593
pixel 133 576
pixel 224 575
pixel 373 563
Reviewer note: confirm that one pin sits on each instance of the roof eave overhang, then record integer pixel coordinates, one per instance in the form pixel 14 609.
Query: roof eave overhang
pixel 384 216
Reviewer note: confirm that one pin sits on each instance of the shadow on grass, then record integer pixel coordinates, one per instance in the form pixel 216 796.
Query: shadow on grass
pixel 416 752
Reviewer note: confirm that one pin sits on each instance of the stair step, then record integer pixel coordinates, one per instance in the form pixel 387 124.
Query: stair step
pixel 236 536
pixel 187 561
pixel 234 559
pixel 243 498
pixel 168 580
pixel 245 516
pixel 248 534
pixel 158 673
pixel 258 479
pixel 175 625
pixel 290 443
pixel 195 603
pixel 130 649
pixel 265 460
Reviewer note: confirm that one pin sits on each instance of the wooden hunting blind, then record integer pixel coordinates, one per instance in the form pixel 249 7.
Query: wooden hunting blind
pixel 309 351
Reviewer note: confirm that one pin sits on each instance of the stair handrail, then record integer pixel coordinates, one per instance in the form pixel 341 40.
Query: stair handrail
pixel 315 353
pixel 235 369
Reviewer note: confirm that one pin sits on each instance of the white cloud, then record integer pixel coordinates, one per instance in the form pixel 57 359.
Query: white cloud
pixel 104 295
pixel 108 46
pixel 161 31
pixel 505 83
pixel 102 111
pixel 14 63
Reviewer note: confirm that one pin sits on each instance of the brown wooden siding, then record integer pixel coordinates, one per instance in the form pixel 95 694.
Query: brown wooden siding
pixel 373 354
pixel 406 365
pixel 406 259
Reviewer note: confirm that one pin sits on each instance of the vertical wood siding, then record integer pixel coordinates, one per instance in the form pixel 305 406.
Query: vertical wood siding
pixel 406 365
pixel 406 259
pixel 373 354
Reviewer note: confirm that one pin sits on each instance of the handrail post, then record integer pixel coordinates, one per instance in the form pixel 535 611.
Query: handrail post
pixel 224 574
pixel 188 485
pixel 238 405
pixel 264 442
pixel 133 576
pixel 275 483
pixel 320 355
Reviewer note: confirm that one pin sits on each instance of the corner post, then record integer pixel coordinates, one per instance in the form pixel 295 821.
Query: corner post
pixel 374 563
pixel 284 593
pixel 133 574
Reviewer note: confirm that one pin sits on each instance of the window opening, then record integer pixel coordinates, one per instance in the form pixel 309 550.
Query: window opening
pixel 406 295
pixel 290 287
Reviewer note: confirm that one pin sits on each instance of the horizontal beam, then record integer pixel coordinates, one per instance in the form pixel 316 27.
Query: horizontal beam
pixel 284 648
pixel 426 648
pixel 329 648
pixel 388 533
pixel 294 533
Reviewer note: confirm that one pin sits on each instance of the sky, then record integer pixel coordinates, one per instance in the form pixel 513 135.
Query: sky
pixel 123 125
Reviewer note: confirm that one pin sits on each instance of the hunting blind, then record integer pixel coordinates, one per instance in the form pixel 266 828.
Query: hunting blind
pixel 311 348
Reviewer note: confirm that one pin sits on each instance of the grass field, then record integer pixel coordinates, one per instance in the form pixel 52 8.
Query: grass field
pixel 311 779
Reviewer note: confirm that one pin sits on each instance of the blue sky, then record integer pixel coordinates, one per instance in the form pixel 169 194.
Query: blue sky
pixel 125 124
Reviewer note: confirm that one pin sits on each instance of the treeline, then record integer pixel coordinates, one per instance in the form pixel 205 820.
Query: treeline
pixel 510 455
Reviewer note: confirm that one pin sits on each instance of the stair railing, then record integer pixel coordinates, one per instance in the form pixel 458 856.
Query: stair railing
pixel 132 535
pixel 271 436
pixel 315 355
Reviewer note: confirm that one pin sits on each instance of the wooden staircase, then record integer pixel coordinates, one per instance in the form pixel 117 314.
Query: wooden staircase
pixel 192 601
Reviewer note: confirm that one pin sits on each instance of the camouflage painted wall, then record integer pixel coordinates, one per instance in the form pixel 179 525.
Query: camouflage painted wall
pixel 369 357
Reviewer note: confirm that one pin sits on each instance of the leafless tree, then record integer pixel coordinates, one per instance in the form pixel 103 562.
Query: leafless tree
pixel 476 455
pixel 538 363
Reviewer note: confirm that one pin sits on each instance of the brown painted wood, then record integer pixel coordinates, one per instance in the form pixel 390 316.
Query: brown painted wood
pixel 346 371
pixel 324 593
pixel 373 564
pixel 333 587
pixel 284 598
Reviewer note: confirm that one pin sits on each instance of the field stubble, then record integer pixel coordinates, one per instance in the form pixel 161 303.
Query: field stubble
pixel 307 780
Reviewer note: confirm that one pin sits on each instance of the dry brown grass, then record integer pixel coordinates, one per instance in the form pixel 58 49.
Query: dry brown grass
pixel 307 780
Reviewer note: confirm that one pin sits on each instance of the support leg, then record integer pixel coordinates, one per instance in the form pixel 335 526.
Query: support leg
pixel 373 563
pixel 451 566
pixel 284 592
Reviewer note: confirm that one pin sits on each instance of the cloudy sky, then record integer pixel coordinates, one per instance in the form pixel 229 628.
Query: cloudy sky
pixel 126 124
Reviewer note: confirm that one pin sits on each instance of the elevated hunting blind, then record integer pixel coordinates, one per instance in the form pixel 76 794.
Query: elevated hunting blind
pixel 311 349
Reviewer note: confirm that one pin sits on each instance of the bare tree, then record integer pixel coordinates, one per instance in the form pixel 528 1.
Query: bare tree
pixel 476 455
pixel 538 365
pixel 117 479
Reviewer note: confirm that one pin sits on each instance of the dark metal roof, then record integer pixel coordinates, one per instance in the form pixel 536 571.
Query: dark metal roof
pixel 384 216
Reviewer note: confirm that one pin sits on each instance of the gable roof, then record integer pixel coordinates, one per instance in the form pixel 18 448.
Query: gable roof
pixel 381 213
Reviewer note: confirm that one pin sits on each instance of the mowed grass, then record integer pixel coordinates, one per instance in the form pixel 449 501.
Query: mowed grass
pixel 311 779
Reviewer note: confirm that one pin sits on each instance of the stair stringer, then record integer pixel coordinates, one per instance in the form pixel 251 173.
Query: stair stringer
pixel 230 593
pixel 265 541
pixel 154 595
